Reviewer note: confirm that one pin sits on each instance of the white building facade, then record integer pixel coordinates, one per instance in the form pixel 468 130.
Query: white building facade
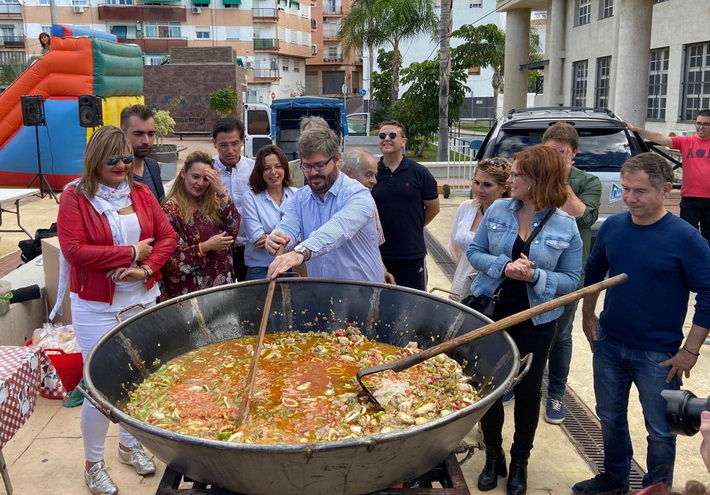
pixel 647 60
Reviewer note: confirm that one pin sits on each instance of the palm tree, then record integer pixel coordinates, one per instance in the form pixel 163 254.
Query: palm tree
pixel 371 23
pixel 444 73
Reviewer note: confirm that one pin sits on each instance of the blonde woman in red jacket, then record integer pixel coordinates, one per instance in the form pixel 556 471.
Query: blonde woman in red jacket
pixel 115 238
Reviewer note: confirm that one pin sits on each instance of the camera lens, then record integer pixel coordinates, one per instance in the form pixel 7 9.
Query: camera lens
pixel 683 411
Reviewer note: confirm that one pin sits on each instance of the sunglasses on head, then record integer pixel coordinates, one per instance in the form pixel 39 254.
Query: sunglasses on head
pixel 113 160
pixel 383 135
pixel 493 162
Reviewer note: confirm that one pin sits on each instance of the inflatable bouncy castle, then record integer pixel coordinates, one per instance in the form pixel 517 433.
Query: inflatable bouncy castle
pixel 80 62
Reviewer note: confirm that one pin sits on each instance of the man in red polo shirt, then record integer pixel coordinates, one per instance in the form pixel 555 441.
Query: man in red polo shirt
pixel 695 153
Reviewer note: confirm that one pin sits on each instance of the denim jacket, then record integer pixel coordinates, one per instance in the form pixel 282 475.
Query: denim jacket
pixel 556 251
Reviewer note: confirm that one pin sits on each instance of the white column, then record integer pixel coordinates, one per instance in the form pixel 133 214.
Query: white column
pixel 517 53
pixel 555 52
pixel 631 85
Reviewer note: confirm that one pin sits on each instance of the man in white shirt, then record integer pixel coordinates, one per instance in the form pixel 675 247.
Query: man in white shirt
pixel 235 169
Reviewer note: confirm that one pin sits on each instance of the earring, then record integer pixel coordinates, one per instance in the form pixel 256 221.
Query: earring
pixel 529 189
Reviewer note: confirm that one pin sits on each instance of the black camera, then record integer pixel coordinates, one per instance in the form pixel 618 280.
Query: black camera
pixel 683 411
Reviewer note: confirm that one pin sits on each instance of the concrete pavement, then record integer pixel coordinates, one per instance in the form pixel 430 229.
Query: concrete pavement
pixel 46 454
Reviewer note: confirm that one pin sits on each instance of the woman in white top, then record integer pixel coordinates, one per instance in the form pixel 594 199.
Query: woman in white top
pixel 489 184
pixel 114 239
pixel 270 184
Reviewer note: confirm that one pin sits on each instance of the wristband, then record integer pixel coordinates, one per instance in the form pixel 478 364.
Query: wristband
pixel 690 352
pixel 199 249
pixel 145 270
pixel 135 253
pixel 535 277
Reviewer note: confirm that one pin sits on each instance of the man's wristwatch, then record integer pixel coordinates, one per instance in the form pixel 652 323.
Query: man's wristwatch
pixel 304 251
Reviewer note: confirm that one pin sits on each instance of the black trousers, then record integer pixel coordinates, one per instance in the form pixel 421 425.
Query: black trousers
pixel 408 273
pixel 240 269
pixel 528 338
pixel 696 211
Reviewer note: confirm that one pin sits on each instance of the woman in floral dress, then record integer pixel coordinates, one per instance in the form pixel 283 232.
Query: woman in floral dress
pixel 206 222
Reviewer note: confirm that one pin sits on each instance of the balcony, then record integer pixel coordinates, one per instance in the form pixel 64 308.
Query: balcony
pixel 142 13
pixel 266 75
pixel 333 58
pixel 330 32
pixel 12 41
pixel 265 15
pixel 266 44
pixel 10 11
pixel 332 10
pixel 159 45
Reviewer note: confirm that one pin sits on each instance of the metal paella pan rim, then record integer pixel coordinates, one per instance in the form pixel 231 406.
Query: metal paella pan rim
pixel 390 314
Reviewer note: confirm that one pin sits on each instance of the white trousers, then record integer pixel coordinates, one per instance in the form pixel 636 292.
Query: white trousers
pixel 89 327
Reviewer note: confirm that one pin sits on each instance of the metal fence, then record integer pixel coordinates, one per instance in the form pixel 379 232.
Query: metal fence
pixel 459 168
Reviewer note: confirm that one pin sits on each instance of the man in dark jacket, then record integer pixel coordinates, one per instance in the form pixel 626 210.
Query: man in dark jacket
pixel 139 125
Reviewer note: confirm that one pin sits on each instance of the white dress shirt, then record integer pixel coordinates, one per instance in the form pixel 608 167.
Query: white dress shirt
pixel 237 184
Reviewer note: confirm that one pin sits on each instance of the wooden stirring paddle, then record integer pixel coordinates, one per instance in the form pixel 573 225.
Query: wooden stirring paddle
pixel 243 410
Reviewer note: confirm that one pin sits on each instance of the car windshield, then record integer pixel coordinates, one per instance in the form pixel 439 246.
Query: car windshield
pixel 600 149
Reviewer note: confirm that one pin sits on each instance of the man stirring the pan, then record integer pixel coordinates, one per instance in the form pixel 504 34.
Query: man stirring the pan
pixel 639 336
pixel 334 216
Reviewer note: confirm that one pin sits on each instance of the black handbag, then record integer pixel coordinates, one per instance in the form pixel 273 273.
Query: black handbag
pixel 487 305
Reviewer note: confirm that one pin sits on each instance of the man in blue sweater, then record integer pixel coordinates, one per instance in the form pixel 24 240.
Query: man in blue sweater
pixel 638 338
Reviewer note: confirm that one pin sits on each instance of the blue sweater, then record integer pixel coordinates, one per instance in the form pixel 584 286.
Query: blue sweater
pixel 664 262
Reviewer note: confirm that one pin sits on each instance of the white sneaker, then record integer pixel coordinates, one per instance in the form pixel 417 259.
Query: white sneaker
pixel 98 480
pixel 137 458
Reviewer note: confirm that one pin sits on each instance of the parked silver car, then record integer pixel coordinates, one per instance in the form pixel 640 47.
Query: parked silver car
pixel 604 145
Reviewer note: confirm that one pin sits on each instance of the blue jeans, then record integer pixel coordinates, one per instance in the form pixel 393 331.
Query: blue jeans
pixel 561 353
pixel 616 367
pixel 257 272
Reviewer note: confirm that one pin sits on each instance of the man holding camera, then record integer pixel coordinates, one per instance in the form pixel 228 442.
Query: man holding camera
pixel 639 336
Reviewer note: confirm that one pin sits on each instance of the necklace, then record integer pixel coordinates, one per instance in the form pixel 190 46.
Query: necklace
pixel 482 210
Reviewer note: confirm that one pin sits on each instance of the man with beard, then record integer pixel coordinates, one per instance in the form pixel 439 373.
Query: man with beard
pixel 334 217
pixel 235 169
pixel 138 124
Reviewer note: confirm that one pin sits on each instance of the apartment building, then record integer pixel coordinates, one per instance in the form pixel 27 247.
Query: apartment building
pixel 647 60
pixel 329 70
pixel 272 38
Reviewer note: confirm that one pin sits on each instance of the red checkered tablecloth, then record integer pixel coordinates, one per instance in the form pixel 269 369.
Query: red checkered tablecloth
pixel 19 384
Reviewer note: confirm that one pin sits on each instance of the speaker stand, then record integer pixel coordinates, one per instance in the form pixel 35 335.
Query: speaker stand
pixel 39 175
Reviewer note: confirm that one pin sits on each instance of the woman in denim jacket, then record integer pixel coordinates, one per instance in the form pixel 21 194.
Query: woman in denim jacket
pixel 548 268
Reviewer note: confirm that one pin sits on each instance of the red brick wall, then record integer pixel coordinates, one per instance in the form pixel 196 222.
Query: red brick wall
pixel 164 84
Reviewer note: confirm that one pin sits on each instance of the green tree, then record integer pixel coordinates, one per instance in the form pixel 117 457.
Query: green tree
pixel 484 46
pixel 381 83
pixel 223 101
pixel 382 22
pixel 418 109
pixel 13 67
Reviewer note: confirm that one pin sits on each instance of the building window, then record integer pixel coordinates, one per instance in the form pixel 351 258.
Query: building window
pixel 601 96
pixel 606 8
pixel 45 29
pixel 696 93
pixel 120 2
pixel 474 71
pixel 584 12
pixel 297 66
pixel 475 4
pixel 155 30
pixel 202 32
pixel 232 33
pixel 43 2
pixel 579 83
pixel 657 84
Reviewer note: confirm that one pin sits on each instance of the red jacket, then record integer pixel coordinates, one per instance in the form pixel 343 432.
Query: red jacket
pixel 87 244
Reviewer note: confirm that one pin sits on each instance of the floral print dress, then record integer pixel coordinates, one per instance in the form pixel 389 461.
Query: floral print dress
pixel 187 271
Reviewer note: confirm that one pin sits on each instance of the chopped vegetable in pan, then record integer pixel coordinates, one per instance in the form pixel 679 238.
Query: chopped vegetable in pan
pixel 305 390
